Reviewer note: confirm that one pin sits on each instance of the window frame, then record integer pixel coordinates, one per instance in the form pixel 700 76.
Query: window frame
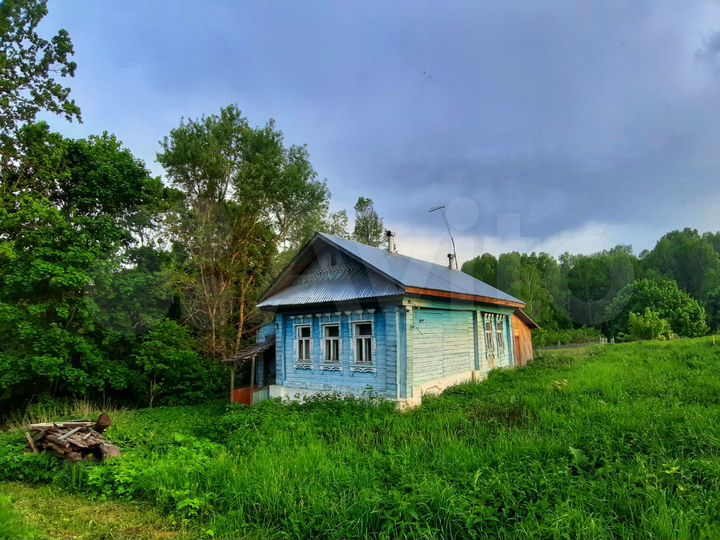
pixel 330 339
pixel 490 340
pixel 298 340
pixel 371 338
pixel 500 336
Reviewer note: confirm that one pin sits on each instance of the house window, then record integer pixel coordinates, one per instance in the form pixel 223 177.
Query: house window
pixel 331 343
pixel 500 331
pixel 333 259
pixel 304 338
pixel 489 337
pixel 363 343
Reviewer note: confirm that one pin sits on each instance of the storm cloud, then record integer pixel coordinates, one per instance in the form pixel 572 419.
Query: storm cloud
pixel 542 126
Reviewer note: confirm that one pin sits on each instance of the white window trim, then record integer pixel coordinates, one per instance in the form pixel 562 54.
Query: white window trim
pixel 363 366
pixel 325 364
pixel 502 341
pixel 302 364
pixel 491 356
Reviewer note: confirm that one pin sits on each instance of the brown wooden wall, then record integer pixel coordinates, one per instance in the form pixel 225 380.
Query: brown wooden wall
pixel 522 336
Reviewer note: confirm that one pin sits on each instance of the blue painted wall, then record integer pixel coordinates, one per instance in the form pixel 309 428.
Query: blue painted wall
pixel 415 342
pixel 346 377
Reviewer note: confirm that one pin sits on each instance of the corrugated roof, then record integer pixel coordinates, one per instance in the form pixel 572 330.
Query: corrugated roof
pixel 402 274
pixel 355 285
pixel 411 272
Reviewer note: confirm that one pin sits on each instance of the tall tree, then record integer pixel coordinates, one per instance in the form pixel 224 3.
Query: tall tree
pixel 337 224
pixel 483 268
pixel 248 197
pixel 29 66
pixel 589 282
pixel 67 216
pixel 688 258
pixel 369 228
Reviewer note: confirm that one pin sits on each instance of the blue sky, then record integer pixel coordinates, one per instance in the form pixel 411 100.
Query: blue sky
pixel 542 126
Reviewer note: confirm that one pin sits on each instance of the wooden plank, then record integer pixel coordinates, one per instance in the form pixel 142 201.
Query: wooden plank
pixel 31 443
pixel 461 296
pixel 70 433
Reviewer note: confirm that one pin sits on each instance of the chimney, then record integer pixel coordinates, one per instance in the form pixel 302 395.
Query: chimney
pixel 390 239
pixel 452 264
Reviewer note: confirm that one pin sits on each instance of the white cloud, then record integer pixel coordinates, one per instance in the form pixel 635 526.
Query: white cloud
pixel 434 245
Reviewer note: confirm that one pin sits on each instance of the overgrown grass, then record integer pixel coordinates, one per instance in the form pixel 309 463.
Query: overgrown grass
pixel 614 442
pixel 12 524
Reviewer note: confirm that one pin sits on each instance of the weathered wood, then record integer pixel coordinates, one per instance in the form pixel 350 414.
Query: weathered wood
pixel 55 439
pixel 49 425
pixel 73 431
pixel 109 450
pixel 73 440
pixel 33 447
pixel 103 423
pixel 252 371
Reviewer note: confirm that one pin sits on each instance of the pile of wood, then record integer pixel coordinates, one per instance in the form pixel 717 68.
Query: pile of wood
pixel 76 440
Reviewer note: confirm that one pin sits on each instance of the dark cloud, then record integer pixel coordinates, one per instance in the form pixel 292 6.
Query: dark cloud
pixel 565 113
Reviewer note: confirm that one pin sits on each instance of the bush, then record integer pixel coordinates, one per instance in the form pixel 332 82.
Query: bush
pixel 548 338
pixel 686 316
pixel 174 373
pixel 648 326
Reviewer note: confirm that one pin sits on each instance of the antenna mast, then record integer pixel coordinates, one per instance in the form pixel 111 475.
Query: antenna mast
pixel 442 211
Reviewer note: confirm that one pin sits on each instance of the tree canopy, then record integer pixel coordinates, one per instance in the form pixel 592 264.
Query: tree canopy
pixel 29 69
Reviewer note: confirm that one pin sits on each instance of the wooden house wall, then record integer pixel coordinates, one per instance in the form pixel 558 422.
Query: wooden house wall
pixel 346 378
pixel 443 343
pixel 522 336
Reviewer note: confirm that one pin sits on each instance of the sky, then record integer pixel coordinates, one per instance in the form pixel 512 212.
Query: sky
pixel 541 126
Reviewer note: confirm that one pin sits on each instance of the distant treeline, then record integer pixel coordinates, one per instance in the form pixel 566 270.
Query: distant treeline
pixel 677 282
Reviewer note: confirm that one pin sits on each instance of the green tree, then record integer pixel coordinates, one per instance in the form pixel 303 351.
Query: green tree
pixel 173 371
pixel 483 268
pixel 337 224
pixel 686 316
pixel 589 282
pixel 688 258
pixel 369 228
pixel 29 66
pixel 712 306
pixel 247 198
pixel 68 218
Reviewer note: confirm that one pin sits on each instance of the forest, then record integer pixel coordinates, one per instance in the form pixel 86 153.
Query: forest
pixel 119 286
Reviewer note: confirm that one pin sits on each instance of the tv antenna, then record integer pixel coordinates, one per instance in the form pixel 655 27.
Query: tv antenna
pixel 442 211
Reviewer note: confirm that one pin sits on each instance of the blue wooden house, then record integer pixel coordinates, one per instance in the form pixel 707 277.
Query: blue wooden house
pixel 358 320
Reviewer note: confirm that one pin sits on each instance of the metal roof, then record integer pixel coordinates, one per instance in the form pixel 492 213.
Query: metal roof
pixel 249 352
pixel 411 272
pixel 402 274
pixel 357 284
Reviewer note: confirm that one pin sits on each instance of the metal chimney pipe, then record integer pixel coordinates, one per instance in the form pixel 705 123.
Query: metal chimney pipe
pixel 452 263
pixel 390 240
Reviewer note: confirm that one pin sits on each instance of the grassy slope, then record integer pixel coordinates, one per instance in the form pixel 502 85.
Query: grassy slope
pixel 621 441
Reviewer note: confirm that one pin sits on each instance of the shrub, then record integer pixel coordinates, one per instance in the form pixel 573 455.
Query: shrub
pixel 686 316
pixel 648 326
pixel 547 338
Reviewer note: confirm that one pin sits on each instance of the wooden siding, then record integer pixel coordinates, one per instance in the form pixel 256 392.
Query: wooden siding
pixel 346 377
pixel 522 338
pixel 443 343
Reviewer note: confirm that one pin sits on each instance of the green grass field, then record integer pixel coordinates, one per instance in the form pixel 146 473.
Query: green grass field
pixel 618 441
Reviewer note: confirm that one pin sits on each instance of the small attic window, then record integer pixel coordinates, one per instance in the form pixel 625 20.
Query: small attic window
pixel 333 258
